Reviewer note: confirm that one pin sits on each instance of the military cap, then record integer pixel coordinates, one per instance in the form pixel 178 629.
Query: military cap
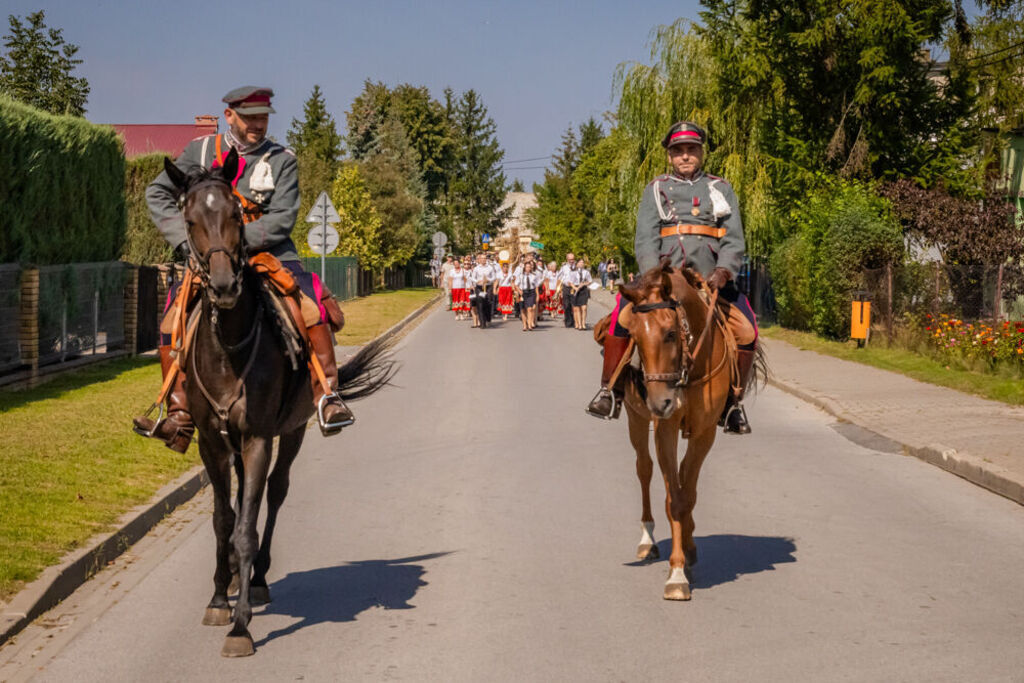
pixel 250 99
pixel 684 131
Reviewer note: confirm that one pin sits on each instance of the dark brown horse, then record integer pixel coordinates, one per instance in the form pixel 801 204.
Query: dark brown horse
pixel 687 360
pixel 243 392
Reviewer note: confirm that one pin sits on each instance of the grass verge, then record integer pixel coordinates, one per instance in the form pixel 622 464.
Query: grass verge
pixel 72 465
pixel 369 316
pixel 992 386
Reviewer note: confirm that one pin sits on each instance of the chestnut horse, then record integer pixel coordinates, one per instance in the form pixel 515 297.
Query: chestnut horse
pixel 243 392
pixel 688 369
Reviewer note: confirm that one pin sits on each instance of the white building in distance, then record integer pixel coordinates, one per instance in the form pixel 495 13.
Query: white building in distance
pixel 516 227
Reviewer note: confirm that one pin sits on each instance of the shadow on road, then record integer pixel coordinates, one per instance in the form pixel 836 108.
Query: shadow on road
pixel 341 593
pixel 726 557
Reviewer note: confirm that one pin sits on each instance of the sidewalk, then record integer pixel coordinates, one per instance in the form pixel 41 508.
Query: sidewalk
pixel 977 439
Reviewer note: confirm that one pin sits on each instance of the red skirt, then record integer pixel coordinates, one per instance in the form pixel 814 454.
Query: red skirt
pixel 460 300
pixel 505 304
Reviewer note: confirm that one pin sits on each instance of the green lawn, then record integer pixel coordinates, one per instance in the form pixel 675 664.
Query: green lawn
pixel 71 465
pixel 369 316
pixel 1008 389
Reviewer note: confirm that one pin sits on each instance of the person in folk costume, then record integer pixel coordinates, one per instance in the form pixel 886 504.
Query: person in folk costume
pixel 553 306
pixel 480 283
pixel 567 279
pixel 267 187
pixel 458 284
pixel 505 294
pixel 581 296
pixel 526 285
pixel 693 219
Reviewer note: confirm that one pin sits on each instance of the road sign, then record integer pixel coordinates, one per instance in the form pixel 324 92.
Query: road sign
pixel 485 238
pixel 439 239
pixel 439 253
pixel 537 245
pixel 323 240
pixel 323 211
pixel 484 246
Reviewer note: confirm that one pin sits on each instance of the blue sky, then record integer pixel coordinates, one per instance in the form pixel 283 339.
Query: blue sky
pixel 538 65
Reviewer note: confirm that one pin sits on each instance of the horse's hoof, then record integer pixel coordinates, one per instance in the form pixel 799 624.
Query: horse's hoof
pixel 217 616
pixel 677 587
pixel 238 646
pixel 233 586
pixel 647 553
pixel 259 595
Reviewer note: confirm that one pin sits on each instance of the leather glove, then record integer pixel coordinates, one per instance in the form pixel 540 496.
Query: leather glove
pixel 181 252
pixel 719 278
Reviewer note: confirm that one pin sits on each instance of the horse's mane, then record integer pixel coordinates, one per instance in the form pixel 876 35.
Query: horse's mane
pixel 652 278
pixel 199 174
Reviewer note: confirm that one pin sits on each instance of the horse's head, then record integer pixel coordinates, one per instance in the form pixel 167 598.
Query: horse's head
pixel 659 327
pixel 213 220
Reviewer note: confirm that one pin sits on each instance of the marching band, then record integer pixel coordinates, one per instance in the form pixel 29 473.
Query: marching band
pixel 525 288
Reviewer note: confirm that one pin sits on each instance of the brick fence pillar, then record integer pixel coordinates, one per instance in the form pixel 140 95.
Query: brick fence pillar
pixel 28 334
pixel 131 310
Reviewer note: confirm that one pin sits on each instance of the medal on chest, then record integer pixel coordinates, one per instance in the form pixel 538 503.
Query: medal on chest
pixel 695 211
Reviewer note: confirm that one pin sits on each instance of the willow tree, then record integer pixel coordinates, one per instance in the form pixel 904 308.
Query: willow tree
pixel 684 82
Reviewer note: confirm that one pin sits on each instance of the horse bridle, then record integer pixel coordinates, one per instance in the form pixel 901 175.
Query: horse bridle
pixel 202 262
pixel 681 377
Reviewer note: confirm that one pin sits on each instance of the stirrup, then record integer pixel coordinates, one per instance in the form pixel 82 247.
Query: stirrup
pixel 743 415
pixel 616 405
pixel 330 428
pixel 160 417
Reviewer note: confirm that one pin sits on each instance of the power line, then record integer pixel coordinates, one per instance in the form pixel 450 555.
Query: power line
pixel 516 161
pixel 995 52
pixel 1001 60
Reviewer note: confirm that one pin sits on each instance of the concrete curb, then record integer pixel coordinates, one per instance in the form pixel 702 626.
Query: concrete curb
pixel 58 582
pixel 965 465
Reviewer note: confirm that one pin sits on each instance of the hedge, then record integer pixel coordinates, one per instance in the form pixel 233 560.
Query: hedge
pixel 143 242
pixel 61 188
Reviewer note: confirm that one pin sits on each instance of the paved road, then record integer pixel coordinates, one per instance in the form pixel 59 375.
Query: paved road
pixel 475 525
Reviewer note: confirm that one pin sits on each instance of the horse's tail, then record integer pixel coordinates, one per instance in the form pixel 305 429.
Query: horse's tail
pixel 370 370
pixel 759 377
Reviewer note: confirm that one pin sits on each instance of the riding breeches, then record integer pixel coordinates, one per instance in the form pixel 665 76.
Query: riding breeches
pixel 742 321
pixel 310 296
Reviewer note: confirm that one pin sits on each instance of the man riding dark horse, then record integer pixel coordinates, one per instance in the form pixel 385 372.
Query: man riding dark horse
pixel 693 219
pixel 267 189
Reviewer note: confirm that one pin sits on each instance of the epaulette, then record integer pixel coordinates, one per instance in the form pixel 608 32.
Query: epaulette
pixel 660 179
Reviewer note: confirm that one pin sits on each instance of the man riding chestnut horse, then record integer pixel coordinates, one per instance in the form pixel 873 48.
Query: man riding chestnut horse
pixel 693 219
pixel 267 189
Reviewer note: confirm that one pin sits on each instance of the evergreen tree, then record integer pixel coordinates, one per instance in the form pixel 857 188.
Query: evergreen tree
pixel 369 111
pixel 36 67
pixel 316 135
pixel 476 183
pixel 517 186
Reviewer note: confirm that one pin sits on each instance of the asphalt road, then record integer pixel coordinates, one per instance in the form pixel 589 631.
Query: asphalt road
pixel 476 525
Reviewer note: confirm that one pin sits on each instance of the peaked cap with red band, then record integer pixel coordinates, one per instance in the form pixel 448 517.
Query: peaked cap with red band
pixel 684 131
pixel 250 99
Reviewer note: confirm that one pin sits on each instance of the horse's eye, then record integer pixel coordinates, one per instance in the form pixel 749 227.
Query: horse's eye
pixel 670 336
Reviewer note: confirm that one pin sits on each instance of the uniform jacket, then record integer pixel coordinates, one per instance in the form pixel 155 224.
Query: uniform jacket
pixel 280 203
pixel 669 200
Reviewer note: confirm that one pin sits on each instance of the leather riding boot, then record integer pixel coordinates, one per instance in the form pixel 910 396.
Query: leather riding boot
pixel 607 403
pixel 331 412
pixel 176 429
pixel 734 418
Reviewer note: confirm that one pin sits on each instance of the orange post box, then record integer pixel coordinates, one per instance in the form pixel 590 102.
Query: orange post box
pixel 860 319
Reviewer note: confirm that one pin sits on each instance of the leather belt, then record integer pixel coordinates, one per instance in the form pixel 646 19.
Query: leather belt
pixel 689 229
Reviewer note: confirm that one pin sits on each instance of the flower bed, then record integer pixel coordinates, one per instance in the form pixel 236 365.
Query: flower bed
pixel 974 342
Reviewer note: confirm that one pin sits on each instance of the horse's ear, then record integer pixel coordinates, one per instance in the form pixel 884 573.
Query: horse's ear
pixel 666 284
pixel 176 175
pixel 630 293
pixel 230 167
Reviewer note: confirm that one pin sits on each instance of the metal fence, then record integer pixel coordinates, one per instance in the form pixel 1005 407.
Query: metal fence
pixel 10 318
pixel 81 310
pixel 341 274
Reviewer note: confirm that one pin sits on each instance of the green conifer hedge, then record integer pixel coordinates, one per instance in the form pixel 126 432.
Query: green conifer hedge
pixel 143 242
pixel 61 188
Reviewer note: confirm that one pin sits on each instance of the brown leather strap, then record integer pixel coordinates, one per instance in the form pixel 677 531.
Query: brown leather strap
pixel 627 355
pixel 314 362
pixel 250 210
pixel 688 229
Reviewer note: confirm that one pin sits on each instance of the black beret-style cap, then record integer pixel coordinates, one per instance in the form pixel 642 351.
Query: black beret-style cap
pixel 684 131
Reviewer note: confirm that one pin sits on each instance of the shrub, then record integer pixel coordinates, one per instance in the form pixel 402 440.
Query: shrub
pixel 841 228
pixel 62 188
pixel 143 242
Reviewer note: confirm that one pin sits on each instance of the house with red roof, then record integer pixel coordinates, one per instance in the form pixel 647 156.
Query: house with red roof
pixel 165 138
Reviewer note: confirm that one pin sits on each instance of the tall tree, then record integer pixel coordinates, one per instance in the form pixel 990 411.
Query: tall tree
pixel 369 110
pixel 37 64
pixel 316 134
pixel 317 146
pixel 476 183
pixel 359 229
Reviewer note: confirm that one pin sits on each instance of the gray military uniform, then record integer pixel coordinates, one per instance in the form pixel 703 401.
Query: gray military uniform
pixel 277 194
pixel 669 200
